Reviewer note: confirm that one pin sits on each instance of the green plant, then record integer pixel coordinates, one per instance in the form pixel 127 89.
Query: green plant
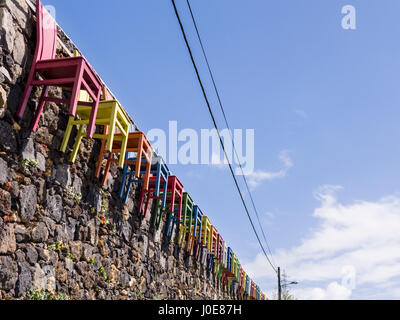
pixel 139 293
pixel 101 272
pixel 103 213
pixel 73 195
pixel 91 260
pixel 57 246
pixel 36 294
pixel 27 163
pixel 70 256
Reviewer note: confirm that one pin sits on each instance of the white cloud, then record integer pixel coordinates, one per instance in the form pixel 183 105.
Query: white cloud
pixel 363 235
pixel 334 291
pixel 259 176
pixel 301 113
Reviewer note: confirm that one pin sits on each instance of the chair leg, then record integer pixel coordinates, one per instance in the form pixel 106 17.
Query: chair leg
pixel 107 168
pixel 128 190
pixel 147 176
pixel 146 207
pixel 123 182
pixel 123 152
pixel 101 155
pixel 39 109
pixel 67 134
pixel 93 116
pixel 78 141
pixel 76 90
pixel 139 158
pixel 142 193
pixel 26 94
pixel 113 120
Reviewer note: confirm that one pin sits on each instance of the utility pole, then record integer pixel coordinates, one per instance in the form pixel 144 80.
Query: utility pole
pixel 279 284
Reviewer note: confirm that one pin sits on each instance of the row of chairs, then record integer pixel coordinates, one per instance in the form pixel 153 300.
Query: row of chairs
pixel 92 105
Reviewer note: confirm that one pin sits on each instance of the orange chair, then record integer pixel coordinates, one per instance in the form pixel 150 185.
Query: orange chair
pixel 138 143
pixel 214 242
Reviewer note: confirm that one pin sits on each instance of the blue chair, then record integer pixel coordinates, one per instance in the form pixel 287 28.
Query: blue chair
pixel 210 264
pixel 172 221
pixel 194 232
pixel 230 260
pixel 159 171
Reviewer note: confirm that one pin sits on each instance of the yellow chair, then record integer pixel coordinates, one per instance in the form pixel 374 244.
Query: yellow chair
pixel 111 115
pixel 206 233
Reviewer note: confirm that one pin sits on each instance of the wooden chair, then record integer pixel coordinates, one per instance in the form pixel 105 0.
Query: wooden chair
pixel 247 288
pixel 187 212
pixel 159 173
pixel 135 142
pixel 220 248
pixel 71 73
pixel 206 233
pixel 194 236
pixel 214 241
pixel 175 199
pixel 210 261
pixel 111 116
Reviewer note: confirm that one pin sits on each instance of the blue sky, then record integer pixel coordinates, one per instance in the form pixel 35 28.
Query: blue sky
pixel 324 97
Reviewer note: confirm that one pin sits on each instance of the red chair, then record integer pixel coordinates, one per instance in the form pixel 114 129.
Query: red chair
pixel 71 73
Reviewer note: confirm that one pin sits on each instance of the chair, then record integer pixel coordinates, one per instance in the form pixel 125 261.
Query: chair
pixel 136 142
pixel 194 235
pixel 175 199
pixel 214 241
pixel 187 212
pixel 210 261
pixel 220 249
pixel 240 280
pixel 158 171
pixel 243 288
pixel 72 73
pixel 206 233
pixel 112 116
pixel 247 288
pixel 224 255
pixel 230 260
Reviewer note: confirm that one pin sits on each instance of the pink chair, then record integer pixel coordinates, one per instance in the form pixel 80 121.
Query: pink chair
pixel 71 72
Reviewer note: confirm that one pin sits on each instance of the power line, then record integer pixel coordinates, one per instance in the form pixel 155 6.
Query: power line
pixel 227 125
pixel 216 127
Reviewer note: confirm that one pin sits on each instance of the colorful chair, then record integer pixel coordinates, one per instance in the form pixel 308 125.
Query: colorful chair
pixel 159 172
pixel 225 255
pixel 174 204
pixel 243 289
pixel 247 288
pixel 72 73
pixel 210 261
pixel 220 248
pixel 206 233
pixel 214 242
pixel 230 260
pixel 194 235
pixel 187 212
pixel 111 115
pixel 136 142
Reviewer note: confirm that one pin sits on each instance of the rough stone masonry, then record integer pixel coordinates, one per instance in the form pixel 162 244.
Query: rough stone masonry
pixel 52 240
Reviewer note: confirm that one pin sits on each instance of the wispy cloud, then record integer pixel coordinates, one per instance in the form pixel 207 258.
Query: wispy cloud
pixel 362 236
pixel 301 113
pixel 257 177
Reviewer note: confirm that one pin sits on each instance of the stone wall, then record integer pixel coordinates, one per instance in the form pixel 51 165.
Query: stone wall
pixel 52 239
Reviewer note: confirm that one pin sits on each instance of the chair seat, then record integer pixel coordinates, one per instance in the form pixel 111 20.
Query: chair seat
pixel 65 68
pixel 104 111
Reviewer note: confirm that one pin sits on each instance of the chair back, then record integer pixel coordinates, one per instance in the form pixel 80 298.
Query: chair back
pixel 46 30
